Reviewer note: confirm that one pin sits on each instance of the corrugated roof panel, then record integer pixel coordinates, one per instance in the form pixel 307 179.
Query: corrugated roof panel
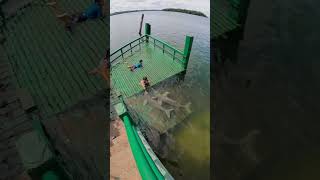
pixel 51 62
pixel 221 20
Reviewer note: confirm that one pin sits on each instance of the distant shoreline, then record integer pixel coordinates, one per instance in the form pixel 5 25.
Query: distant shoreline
pixel 185 11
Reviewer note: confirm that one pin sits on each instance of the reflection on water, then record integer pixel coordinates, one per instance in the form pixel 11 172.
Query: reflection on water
pixel 183 148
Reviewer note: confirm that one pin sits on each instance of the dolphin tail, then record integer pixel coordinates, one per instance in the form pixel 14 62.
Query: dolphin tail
pixel 168 112
pixel 187 107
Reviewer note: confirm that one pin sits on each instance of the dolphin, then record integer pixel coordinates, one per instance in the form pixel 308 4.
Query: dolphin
pixel 246 144
pixel 154 103
pixel 164 98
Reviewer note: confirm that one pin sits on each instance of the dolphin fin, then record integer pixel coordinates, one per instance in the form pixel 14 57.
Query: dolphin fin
pixel 145 102
pixel 168 112
pixel 187 107
pixel 160 102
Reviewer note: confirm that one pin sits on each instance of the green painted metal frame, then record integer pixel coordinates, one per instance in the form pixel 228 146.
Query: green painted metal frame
pixel 147 41
pixel 131 45
pixel 140 40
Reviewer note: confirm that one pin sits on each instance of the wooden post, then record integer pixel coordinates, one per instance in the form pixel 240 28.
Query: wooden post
pixel 141 24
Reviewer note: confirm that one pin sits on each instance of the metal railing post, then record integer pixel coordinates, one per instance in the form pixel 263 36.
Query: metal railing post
pixel 187 50
pixel 131 48
pixel 139 44
pixel 147 31
pixel 163 48
pixel 121 53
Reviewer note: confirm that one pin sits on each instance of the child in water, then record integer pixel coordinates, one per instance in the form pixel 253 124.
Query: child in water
pixel 145 83
pixel 136 66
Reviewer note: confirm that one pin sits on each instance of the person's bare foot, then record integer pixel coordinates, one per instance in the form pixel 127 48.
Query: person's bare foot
pixel 62 15
pixel 52 3
pixel 94 71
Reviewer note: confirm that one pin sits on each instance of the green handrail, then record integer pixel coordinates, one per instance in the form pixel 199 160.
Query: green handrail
pixel 146 166
pixel 149 159
pixel 143 165
pixel 164 44
pixel 126 45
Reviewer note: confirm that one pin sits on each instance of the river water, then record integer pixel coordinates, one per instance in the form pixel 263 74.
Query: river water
pixel 188 153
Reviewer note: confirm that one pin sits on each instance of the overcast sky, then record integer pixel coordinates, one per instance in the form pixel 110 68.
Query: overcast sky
pixel 125 5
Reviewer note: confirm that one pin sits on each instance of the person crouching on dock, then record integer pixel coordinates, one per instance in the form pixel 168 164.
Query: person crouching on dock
pixel 145 83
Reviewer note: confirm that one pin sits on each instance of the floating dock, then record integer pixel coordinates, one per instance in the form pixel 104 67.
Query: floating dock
pixel 160 61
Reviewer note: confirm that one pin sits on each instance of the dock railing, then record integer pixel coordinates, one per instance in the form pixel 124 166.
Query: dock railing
pixel 126 48
pixel 136 44
pixel 167 48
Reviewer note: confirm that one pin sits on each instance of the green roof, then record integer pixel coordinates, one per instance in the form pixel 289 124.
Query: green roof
pixel 51 62
pixel 222 19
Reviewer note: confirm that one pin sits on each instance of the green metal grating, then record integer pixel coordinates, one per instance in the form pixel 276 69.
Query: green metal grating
pixel 158 66
pixel 222 18
pixel 51 62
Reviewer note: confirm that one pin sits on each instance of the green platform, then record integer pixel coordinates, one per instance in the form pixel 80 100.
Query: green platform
pixel 51 63
pixel 157 67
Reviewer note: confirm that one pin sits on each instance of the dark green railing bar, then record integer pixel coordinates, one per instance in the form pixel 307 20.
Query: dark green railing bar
pixel 147 31
pixel 162 48
pixel 130 48
pixel 122 53
pixel 166 44
pixel 187 50
pixel 163 45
